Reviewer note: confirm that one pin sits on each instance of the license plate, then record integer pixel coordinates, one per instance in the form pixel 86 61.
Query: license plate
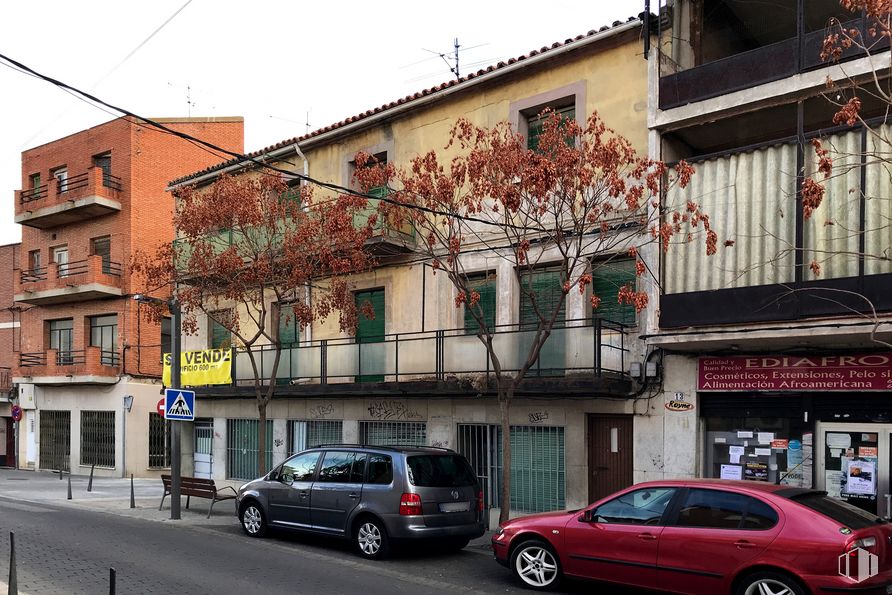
pixel 455 507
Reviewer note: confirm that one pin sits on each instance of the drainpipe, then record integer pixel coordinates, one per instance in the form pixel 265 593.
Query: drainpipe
pixel 307 289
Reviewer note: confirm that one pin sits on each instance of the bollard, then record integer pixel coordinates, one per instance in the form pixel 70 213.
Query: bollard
pixel 111 581
pixel 13 581
pixel 69 486
pixel 132 498
pixel 61 473
pixel 90 483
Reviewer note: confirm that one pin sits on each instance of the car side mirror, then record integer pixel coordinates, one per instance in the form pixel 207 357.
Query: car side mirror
pixel 587 517
pixel 273 476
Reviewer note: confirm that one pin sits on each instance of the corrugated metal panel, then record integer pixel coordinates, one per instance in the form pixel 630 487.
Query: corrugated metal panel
pixel 750 200
pixel 878 202
pixel 832 234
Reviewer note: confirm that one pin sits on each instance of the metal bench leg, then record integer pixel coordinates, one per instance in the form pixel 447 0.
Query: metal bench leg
pixel 160 506
pixel 187 501
pixel 211 509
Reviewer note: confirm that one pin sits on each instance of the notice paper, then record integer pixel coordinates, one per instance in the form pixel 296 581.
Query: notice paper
pixel 732 472
pixel 744 434
pixel 766 437
pixel 860 477
pixel 736 452
pixel 763 452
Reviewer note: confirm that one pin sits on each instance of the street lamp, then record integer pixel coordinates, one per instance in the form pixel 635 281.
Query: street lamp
pixel 173 304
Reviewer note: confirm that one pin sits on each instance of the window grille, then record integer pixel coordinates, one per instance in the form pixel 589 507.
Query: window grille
pixel 477 442
pixel 159 442
pixel 537 468
pixel 98 438
pixel 241 448
pixel 309 434
pixel 55 440
pixel 410 433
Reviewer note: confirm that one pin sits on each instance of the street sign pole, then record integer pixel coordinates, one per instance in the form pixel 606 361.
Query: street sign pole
pixel 175 462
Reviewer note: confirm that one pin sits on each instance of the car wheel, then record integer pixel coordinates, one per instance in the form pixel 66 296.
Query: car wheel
pixel 253 520
pixel 536 565
pixel 769 583
pixel 371 539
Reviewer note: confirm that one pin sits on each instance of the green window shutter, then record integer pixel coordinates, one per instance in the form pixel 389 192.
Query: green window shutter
pixel 536 123
pixel 289 330
pixel 360 218
pixel 485 285
pixel 607 280
pixel 221 338
pixel 546 286
pixel 370 331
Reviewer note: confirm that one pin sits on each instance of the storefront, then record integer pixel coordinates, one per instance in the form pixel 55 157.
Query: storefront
pixel 820 421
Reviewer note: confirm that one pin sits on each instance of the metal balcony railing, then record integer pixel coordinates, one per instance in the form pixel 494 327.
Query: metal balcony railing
pixel 34 275
pixel 68 185
pixel 576 347
pixel 80 267
pixel 35 193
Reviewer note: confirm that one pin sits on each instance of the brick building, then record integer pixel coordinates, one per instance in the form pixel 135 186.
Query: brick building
pixel 88 366
pixel 9 341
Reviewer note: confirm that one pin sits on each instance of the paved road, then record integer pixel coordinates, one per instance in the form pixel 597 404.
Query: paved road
pixel 67 548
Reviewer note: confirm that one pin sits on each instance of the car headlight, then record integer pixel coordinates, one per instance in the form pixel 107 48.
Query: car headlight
pixel 500 530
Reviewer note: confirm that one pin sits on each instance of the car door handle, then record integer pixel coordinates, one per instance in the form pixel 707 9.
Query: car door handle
pixel 743 544
pixel 354 496
pixel 304 494
pixel 647 536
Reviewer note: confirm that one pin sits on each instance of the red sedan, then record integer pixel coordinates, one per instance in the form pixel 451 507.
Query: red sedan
pixel 705 537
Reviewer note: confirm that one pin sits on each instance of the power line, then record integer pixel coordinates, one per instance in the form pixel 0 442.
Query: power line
pixel 258 162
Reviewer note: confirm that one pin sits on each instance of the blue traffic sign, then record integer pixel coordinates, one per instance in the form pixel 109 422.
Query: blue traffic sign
pixel 179 404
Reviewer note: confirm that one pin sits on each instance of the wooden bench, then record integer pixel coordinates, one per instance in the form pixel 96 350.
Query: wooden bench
pixel 200 488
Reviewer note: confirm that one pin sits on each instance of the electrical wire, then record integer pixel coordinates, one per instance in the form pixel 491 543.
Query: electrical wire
pixel 258 161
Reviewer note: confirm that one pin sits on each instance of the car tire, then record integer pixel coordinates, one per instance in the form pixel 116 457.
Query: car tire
pixel 252 519
pixel 769 582
pixel 370 539
pixel 536 566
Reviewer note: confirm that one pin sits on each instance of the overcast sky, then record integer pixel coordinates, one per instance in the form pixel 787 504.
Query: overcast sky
pixel 278 64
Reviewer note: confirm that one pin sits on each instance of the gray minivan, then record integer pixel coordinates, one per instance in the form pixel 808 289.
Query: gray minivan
pixel 373 495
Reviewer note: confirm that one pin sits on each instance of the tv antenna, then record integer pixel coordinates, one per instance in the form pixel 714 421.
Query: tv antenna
pixel 451 60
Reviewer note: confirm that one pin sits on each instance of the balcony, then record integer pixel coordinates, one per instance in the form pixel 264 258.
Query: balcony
pixel 77 281
pixel 386 239
pixel 52 367
pixel 583 357
pixel 84 196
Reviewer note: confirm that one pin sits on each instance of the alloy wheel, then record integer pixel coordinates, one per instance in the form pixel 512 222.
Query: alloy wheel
pixel 368 538
pixel 769 586
pixel 536 566
pixel 252 519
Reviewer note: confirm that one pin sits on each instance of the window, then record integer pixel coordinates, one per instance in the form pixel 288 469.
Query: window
pixel 60 257
pixel 104 335
pixel 543 290
pixel 408 433
pixel 716 509
pixel 104 163
pixel 241 448
pixel 485 285
pixel 102 247
pixel 166 333
pixel 288 329
pixel 440 471
pixel 361 218
pixel 310 434
pixel 159 441
pixel 640 507
pixel 380 469
pixel 34 260
pixel 219 337
pixel 338 467
pixel 61 174
pixel 536 122
pixel 61 338
pixel 35 180
pixel 300 468
pixel 607 279
pixel 98 438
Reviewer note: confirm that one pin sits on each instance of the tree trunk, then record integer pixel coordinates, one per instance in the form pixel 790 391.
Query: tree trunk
pixel 261 438
pixel 504 408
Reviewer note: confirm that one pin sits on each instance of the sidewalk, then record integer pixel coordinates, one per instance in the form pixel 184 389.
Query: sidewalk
pixel 112 495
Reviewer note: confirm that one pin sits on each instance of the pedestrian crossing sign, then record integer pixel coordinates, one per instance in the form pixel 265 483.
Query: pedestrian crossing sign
pixel 179 404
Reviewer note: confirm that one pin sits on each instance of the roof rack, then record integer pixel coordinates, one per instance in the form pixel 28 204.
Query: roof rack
pixel 382 446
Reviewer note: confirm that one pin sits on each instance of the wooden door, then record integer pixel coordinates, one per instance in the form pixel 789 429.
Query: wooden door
pixel 609 454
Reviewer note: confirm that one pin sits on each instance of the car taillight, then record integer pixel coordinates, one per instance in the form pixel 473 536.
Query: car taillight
pixel 410 504
pixel 480 501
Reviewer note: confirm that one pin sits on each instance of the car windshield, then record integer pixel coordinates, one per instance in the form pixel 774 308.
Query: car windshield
pixel 440 471
pixel 838 510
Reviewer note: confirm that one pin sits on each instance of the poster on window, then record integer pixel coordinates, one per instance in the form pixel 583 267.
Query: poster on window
pixel 860 477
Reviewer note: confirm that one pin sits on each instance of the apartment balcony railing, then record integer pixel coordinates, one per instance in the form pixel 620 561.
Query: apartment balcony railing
pixel 87 195
pixel 577 349
pixel 91 365
pixel 79 280
pixel 5 379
